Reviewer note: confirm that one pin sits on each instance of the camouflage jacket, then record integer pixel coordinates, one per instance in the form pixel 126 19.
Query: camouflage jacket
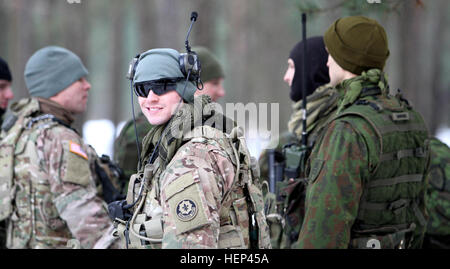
pixel 210 171
pixel 125 152
pixel 2 223
pixel 1 117
pixel 438 197
pixel 55 203
pixel 361 191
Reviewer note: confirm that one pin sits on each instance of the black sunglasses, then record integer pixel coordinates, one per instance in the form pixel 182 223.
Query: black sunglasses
pixel 159 87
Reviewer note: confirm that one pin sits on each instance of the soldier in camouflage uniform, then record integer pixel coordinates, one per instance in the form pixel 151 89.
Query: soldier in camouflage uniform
pixel 125 145
pixel 438 197
pixel 48 191
pixel 368 169
pixel 285 216
pixel 195 187
pixel 5 96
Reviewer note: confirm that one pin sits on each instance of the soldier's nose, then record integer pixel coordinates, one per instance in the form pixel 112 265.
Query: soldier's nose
pixel 9 94
pixel 152 97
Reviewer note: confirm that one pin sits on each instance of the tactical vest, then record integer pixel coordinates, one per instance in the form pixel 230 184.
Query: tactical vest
pixel 26 197
pixel 242 219
pixel 391 210
pixel 438 197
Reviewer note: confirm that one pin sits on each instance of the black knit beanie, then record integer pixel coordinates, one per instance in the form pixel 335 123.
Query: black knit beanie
pixel 5 74
pixel 316 67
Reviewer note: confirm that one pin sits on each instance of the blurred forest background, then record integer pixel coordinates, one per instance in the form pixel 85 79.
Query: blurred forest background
pixel 252 38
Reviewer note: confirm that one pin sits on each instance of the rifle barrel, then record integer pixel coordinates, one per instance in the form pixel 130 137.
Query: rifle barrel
pixel 305 55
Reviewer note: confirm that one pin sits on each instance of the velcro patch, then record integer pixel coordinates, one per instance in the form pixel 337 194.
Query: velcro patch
pixel 184 196
pixel 76 148
pixel 77 169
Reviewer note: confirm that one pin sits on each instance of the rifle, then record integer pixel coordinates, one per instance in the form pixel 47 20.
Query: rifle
pixel 107 172
pixel 276 169
pixel 304 149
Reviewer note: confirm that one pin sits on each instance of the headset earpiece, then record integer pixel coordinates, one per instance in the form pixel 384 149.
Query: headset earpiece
pixel 190 62
pixel 132 67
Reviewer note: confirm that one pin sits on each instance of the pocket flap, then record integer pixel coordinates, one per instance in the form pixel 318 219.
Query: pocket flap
pixel 316 167
pixel 179 184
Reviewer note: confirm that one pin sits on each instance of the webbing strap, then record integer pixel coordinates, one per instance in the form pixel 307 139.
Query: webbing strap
pixel 153 228
pixel 135 241
pixel 402 128
pixel 393 206
pixel 370 91
pixel 395 180
pixel 419 215
pixel 39 118
pixel 418 152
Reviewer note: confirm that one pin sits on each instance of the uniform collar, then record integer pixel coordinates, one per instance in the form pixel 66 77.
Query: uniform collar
pixel 48 106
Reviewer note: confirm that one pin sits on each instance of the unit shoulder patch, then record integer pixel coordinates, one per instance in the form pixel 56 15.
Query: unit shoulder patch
pixel 186 210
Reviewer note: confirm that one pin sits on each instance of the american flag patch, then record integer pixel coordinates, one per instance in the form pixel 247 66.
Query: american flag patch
pixel 75 148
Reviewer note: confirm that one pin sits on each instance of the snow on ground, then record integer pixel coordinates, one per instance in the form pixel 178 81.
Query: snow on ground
pixel 100 134
pixel 443 134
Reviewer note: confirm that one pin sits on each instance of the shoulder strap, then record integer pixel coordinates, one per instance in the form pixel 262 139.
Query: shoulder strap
pixel 12 130
pixel 11 145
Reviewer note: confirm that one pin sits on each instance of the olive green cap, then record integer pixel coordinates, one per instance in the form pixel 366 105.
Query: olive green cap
pixel 211 67
pixel 357 44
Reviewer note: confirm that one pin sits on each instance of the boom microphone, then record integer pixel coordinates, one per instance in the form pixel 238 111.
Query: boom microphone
pixel 194 16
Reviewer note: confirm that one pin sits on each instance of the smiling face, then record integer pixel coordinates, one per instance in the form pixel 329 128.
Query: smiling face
pixel 289 75
pixel 158 109
pixel 74 98
pixel 6 93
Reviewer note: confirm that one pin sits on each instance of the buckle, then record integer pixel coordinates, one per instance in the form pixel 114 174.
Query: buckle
pixel 419 152
pixel 396 206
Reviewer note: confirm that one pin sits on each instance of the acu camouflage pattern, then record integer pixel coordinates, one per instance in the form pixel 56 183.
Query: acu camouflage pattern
pixel 54 198
pixel 438 197
pixel 366 179
pixel 125 152
pixel 285 214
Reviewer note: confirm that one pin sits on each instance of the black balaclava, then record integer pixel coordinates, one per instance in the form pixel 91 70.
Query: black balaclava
pixel 5 74
pixel 316 66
